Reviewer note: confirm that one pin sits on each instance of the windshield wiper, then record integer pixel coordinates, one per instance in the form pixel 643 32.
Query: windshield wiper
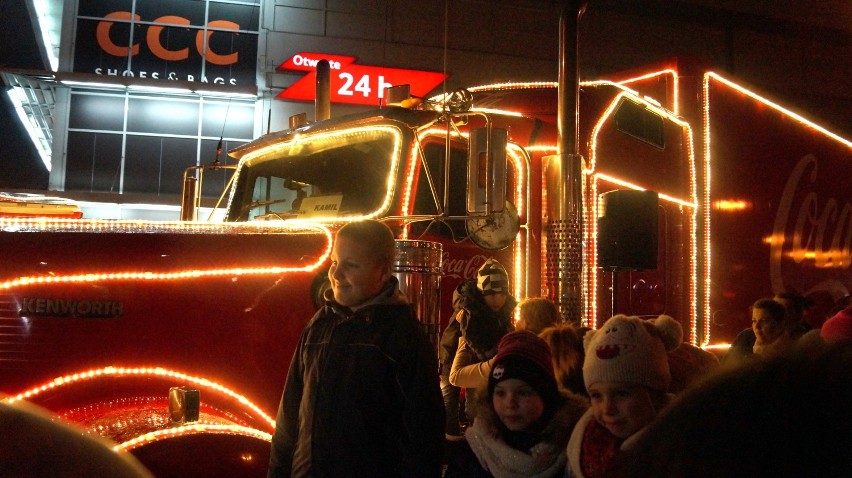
pixel 255 204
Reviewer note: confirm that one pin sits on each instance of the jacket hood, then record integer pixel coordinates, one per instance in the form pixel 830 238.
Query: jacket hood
pixel 465 294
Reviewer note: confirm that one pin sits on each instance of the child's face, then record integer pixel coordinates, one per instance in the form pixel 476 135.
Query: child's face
pixel 355 277
pixel 517 404
pixel 623 408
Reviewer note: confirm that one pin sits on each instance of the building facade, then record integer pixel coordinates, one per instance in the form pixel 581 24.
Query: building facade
pixel 146 89
pixel 142 90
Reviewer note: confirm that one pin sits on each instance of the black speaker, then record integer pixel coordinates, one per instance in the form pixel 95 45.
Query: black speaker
pixel 627 229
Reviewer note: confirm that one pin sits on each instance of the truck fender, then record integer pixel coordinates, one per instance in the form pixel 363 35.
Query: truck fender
pixel 203 450
pixel 124 403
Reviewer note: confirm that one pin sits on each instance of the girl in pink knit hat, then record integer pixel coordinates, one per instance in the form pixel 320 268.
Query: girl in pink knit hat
pixel 627 375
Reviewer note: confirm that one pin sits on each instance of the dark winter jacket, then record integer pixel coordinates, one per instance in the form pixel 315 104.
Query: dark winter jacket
pixel 448 345
pixel 481 327
pixel 362 397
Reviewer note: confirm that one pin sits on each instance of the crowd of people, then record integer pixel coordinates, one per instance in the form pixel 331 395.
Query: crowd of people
pixel 515 391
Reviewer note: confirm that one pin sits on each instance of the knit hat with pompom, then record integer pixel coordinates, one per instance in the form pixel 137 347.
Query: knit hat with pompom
pixel 632 350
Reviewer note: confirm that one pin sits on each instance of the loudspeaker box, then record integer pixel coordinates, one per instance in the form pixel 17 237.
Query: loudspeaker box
pixel 627 229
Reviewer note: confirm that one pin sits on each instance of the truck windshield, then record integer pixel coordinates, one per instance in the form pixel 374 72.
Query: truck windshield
pixel 325 175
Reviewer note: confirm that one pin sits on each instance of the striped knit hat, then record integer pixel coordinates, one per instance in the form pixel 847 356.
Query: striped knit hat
pixel 492 278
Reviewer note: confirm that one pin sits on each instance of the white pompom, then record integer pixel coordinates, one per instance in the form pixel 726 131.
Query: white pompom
pixel 670 331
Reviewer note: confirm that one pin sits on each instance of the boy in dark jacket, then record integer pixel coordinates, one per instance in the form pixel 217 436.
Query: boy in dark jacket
pixel 362 396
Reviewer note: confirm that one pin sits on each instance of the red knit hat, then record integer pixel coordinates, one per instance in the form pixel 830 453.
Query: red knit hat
pixel 839 327
pixel 525 356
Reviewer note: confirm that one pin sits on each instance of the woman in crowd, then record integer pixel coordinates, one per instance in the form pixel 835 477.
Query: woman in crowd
pixel 470 371
pixel 768 320
pixel 482 316
pixel 523 422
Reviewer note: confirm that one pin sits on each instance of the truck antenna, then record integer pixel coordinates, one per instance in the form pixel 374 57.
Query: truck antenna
pixel 446 41
pixel 215 162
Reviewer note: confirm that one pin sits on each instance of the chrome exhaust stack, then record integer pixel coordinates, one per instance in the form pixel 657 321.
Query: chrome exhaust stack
pixel 322 102
pixel 563 221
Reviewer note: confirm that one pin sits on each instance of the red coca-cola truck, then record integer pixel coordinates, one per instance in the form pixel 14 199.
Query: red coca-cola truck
pixel 173 338
pixel 773 214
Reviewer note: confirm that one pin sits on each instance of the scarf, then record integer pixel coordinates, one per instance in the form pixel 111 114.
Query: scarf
pixel 544 460
pixel 599 451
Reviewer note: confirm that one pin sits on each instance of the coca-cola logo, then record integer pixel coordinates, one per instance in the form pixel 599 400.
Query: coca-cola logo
pixel 462 268
pixel 822 230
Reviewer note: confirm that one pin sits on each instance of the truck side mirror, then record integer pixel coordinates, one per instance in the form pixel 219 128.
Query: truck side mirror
pixel 486 170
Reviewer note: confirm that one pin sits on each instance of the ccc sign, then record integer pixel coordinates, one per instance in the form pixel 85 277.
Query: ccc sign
pixel 152 38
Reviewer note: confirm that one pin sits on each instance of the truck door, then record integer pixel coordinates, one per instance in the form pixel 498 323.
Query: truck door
pixel 441 216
